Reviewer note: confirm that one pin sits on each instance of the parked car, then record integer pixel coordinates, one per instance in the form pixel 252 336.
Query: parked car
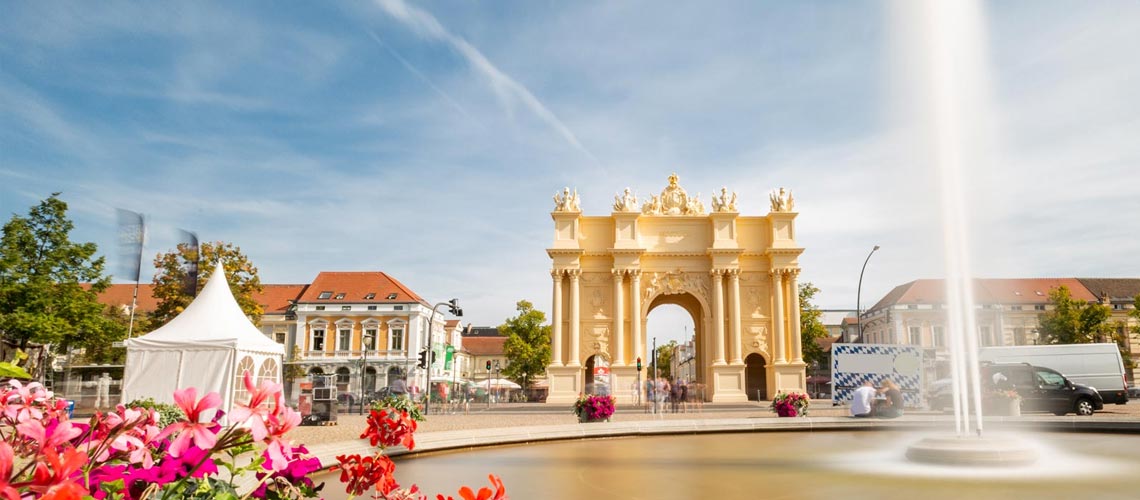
pixel 1099 366
pixel 1040 389
pixel 1134 391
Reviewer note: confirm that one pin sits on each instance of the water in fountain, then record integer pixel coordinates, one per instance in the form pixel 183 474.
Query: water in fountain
pixel 952 89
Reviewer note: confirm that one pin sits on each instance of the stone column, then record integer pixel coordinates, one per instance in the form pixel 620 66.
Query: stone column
pixel 618 329
pixel 635 311
pixel 574 319
pixel 556 321
pixel 718 316
pixel 778 315
pixel 734 319
pixel 794 317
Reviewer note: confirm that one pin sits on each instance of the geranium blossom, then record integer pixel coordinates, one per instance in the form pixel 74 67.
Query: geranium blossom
pixel 53 475
pixel 192 430
pixel 257 411
pixel 279 449
pixel 7 457
pixel 390 428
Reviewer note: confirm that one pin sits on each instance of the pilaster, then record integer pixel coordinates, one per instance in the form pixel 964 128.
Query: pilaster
pixel 575 320
pixel 734 318
pixel 778 316
pixel 619 322
pixel 718 315
pixel 556 320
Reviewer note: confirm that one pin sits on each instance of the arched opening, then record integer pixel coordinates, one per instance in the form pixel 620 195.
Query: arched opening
pixel 316 370
pixel 369 380
pixel 674 321
pixel 755 378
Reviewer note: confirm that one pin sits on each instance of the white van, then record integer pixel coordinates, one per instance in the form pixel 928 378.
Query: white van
pixel 1096 365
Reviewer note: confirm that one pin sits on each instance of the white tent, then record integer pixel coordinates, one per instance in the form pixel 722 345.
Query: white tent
pixel 209 347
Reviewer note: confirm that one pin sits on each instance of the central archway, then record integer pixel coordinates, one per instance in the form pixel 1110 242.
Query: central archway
pixel 735 275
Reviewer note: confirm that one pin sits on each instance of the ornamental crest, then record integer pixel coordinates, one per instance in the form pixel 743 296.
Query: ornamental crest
pixel 673 201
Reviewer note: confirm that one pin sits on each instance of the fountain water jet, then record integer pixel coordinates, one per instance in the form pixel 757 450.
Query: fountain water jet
pixel 953 89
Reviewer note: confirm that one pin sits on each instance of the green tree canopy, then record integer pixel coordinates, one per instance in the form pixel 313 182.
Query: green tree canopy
pixel 169 281
pixel 1135 313
pixel 1074 321
pixel 665 359
pixel 528 344
pixel 811 325
pixel 49 285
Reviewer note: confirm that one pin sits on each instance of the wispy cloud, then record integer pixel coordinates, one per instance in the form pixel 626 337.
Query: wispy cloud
pixel 507 88
pixel 423 78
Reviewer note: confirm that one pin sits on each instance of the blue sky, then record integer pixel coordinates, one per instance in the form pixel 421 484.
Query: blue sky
pixel 425 139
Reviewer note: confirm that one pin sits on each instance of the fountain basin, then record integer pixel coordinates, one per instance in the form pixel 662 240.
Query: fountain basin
pixel 972 451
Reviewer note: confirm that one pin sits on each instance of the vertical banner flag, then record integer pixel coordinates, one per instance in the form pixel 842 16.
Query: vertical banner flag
pixel 190 239
pixel 132 232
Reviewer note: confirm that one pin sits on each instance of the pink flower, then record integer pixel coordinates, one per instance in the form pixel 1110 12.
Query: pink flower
pixel 53 436
pixel 257 411
pixel 7 457
pixel 280 450
pixel 192 429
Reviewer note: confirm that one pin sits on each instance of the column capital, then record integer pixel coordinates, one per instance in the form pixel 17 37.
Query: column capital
pixel 574 274
pixel 717 272
pixel 619 275
pixel 734 273
pixel 634 272
pixel 556 274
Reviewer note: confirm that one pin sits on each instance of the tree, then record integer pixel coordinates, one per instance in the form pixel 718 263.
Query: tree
pixel 665 359
pixel 1135 313
pixel 528 344
pixel 811 326
pixel 1074 321
pixel 49 285
pixel 170 280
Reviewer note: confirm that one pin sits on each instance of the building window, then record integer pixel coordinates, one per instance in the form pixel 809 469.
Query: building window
pixel 318 343
pixel 371 308
pixel 912 306
pixel 320 308
pixel 1014 308
pixel 241 394
pixel 324 296
pixel 396 339
pixel 398 308
pixel 280 337
pixel 986 333
pixel 342 376
pixel 339 296
pixel 344 340
pixel 370 339
pixel 391 296
pixel 915 335
pixel 939 337
pixel 1039 307
pixel 370 296
pixel 345 308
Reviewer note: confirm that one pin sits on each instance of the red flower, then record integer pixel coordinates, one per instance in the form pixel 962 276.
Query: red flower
pixel 500 492
pixel 6 458
pixel 52 477
pixel 390 428
pixel 361 473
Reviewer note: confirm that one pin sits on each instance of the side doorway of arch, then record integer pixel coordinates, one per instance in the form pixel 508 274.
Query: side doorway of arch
pixel 755 378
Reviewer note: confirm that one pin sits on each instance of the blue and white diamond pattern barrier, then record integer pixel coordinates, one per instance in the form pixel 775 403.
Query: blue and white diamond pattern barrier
pixel 853 364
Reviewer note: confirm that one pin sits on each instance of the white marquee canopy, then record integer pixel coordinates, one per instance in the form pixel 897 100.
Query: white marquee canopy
pixel 208 346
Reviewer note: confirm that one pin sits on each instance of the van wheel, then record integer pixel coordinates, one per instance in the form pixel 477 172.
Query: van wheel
pixel 1084 407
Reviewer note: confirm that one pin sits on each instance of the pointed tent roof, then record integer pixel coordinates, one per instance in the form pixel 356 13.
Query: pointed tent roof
pixel 214 319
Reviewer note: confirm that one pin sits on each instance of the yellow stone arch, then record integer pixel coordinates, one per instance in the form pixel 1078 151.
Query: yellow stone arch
pixel 737 275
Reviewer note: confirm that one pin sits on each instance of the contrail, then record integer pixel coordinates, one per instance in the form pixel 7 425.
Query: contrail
pixel 426 25
pixel 419 74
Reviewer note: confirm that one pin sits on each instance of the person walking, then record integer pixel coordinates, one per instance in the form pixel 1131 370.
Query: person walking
pixel 675 395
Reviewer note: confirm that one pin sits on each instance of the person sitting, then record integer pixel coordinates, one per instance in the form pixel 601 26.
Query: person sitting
pixel 861 400
pixel 892 405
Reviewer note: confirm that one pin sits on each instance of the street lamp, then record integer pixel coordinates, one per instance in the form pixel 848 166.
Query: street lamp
pixel 496 376
pixel 453 307
pixel 363 366
pixel 859 293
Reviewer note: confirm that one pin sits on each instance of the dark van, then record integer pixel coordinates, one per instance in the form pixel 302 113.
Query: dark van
pixel 1040 388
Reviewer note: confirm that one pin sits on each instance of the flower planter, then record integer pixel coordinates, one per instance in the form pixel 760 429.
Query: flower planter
pixel 583 419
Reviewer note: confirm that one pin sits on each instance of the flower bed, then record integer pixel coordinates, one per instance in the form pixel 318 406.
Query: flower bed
pixel 790 404
pixel 129 454
pixel 594 408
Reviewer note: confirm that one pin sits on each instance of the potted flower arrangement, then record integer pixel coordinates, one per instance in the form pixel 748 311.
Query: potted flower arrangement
pixel 594 408
pixel 790 404
pixel 1005 402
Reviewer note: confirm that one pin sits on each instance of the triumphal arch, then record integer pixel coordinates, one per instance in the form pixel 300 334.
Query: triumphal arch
pixel 735 274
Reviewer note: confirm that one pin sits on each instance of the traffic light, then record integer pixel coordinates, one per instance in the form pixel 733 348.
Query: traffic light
pixel 423 359
pixel 488 365
pixel 453 304
pixel 638 363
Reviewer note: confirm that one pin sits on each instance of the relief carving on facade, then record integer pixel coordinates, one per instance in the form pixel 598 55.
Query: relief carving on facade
pixel 673 201
pixel 598 302
pixel 752 296
pixel 675 282
pixel 601 344
pixel 759 340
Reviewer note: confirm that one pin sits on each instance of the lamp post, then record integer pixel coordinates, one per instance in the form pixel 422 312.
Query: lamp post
pixel 454 308
pixel 859 293
pixel 497 376
pixel 363 367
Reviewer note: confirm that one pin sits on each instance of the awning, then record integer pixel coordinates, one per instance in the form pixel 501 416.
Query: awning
pixel 818 379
